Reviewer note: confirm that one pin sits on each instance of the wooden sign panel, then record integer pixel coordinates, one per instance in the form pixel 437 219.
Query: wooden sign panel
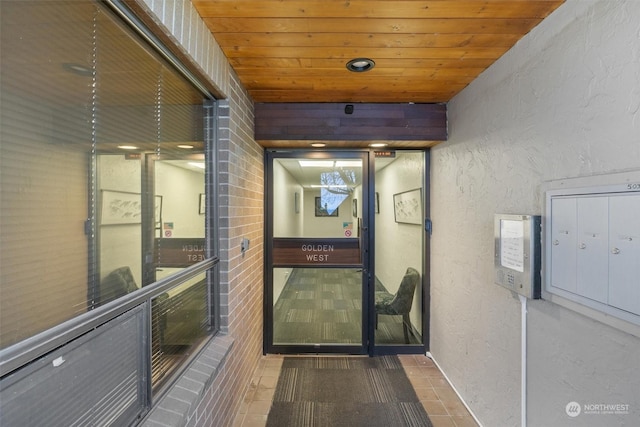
pixel 324 121
pixel 316 252
pixel 179 252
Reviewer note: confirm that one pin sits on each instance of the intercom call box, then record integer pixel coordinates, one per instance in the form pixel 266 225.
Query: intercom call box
pixel 517 257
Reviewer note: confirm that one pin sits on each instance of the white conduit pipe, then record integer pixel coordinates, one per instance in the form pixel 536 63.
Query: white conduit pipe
pixel 523 362
pixel 523 368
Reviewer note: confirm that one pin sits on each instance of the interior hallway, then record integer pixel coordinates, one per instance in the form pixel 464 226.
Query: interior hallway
pixel 436 395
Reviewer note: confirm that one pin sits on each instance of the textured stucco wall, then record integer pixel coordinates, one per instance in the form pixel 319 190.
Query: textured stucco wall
pixel 564 102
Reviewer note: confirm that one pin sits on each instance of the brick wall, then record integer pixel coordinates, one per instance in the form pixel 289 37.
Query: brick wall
pixel 211 390
pixel 241 276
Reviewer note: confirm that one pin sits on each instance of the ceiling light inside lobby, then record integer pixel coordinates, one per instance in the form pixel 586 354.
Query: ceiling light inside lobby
pixel 316 163
pixel 78 69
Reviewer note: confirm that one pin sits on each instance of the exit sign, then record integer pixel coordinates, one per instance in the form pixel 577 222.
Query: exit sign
pixel 388 153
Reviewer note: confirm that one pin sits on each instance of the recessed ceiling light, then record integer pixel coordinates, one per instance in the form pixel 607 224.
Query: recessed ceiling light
pixel 318 144
pixel 78 69
pixel 127 147
pixel 359 65
pixel 185 146
pixel 378 144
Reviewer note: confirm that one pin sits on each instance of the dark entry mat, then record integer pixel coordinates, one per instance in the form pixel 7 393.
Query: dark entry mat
pixel 345 391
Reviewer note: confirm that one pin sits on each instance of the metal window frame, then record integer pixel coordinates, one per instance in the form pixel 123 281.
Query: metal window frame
pixel 19 355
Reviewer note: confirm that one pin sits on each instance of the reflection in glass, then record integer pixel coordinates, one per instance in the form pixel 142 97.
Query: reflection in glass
pixel 179 321
pixel 335 187
pixel 88 107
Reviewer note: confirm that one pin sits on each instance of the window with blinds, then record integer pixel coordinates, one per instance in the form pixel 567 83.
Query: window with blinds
pixel 102 177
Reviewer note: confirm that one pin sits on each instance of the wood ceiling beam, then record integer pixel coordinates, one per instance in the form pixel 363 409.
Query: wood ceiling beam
pixel 329 121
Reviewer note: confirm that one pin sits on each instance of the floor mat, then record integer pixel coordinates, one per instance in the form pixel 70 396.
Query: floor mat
pixel 345 391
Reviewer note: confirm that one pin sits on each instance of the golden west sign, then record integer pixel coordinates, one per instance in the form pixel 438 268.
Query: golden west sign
pixel 310 252
pixel 179 252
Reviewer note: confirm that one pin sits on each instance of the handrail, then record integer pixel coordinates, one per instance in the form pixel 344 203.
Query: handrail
pixel 23 352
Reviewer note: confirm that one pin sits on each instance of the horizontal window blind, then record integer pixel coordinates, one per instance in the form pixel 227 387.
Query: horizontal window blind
pixel 87 109
pixel 46 137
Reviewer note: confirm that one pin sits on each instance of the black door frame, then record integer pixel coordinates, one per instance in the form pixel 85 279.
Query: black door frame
pixel 368 230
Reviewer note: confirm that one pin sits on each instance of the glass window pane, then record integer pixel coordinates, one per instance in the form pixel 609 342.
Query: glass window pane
pixel 179 321
pixel 151 164
pixel 45 125
pixel 101 161
pixel 317 198
pixel 316 215
pixel 399 208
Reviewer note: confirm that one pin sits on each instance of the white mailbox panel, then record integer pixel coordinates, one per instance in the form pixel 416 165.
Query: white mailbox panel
pixel 592 248
pixel 592 259
pixel 624 253
pixel 563 246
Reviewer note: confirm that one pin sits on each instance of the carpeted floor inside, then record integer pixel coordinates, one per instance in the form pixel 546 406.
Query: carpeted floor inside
pixel 345 391
pixel 324 306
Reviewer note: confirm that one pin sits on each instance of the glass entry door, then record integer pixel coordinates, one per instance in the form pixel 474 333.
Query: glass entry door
pixel 400 281
pixel 316 256
pixel 345 252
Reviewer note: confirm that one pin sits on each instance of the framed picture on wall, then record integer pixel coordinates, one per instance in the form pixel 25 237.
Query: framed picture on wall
pixel 322 210
pixel 407 207
pixel 120 207
pixel 157 212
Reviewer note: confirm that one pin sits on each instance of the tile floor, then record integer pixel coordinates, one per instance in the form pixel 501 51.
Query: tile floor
pixel 440 401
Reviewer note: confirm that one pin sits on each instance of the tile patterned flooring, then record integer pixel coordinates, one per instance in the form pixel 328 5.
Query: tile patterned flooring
pixel 438 398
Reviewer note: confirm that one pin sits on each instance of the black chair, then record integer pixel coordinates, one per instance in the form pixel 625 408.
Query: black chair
pixel 118 283
pixel 400 303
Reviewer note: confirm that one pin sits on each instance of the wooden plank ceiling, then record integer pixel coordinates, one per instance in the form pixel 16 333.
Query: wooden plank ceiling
pixel 424 51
